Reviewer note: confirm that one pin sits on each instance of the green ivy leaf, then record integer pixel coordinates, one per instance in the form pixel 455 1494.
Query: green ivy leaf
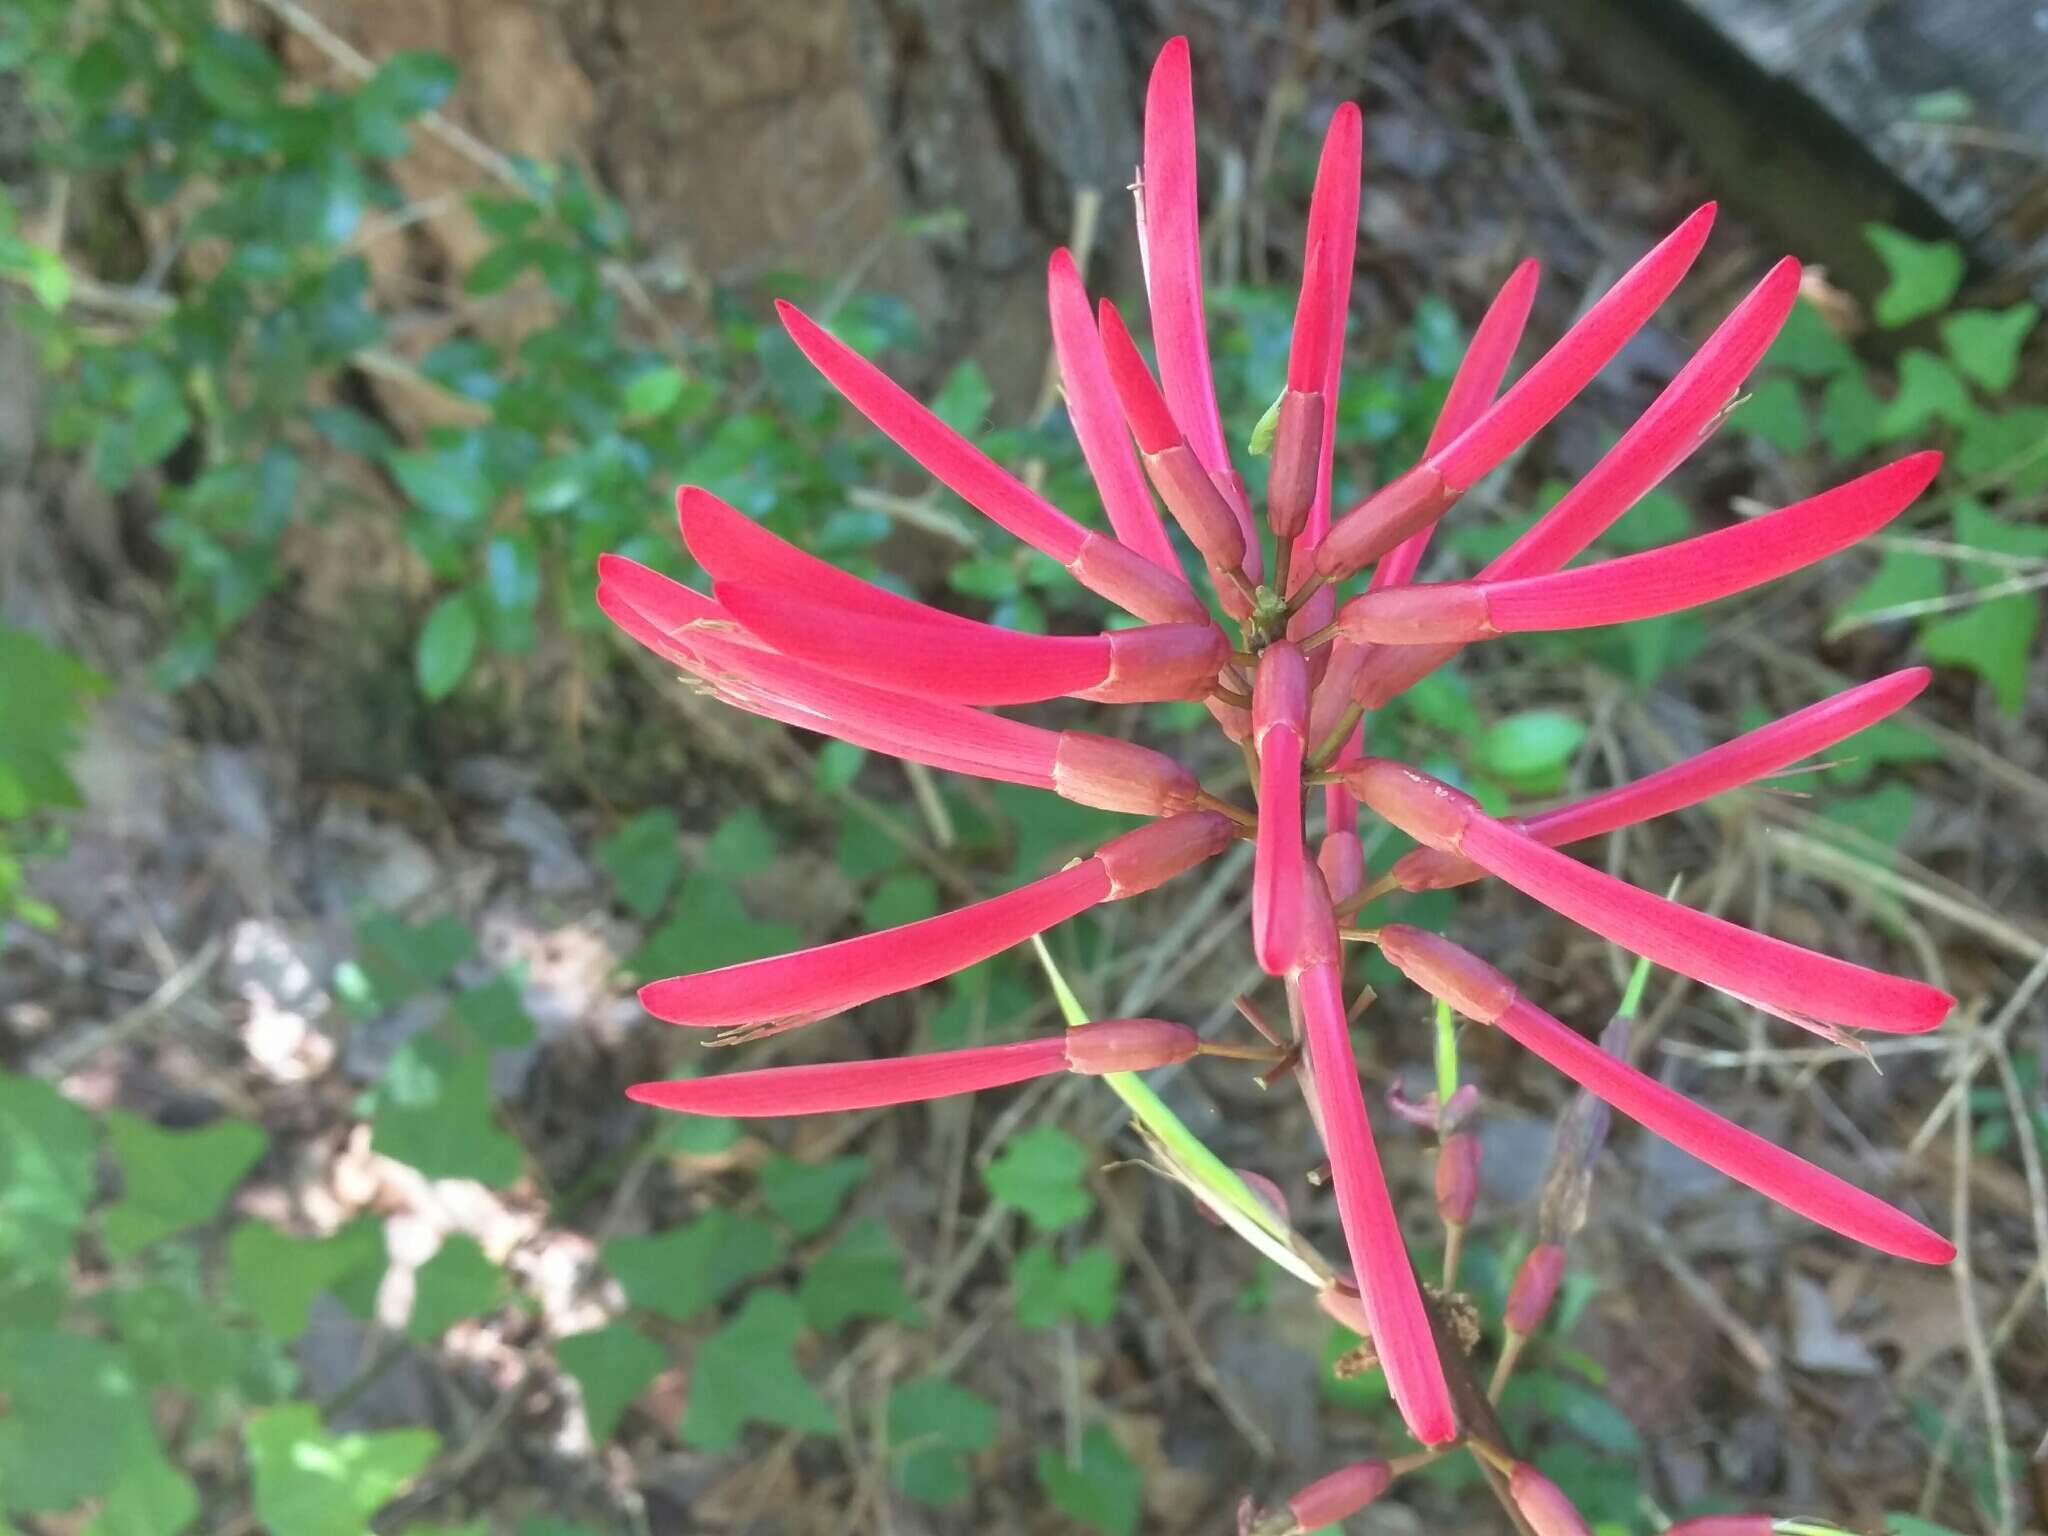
pixel 1928 391
pixel 1051 1290
pixel 1901 577
pixel 151 1497
pixel 708 927
pixel 934 1425
pixel 612 1366
pixel 1775 411
pixel 274 1276
pixel 838 765
pixel 680 1272
pixel 1660 518
pixel 1809 347
pixel 808 1195
pixel 308 1482
pixel 1530 751
pixel 963 401
pixel 859 1275
pixel 1924 275
pixel 746 1373
pixel 652 391
pixel 49 1154
pixel 1985 344
pixel 1041 1173
pixel 643 857
pixel 2007 446
pixel 1994 639
pixel 906 897
pixel 495 1015
pixel 433 1113
pixel 396 960
pixel 458 1282
pixel 1882 815
pixel 446 646
pixel 75 1421
pixel 172 1180
pixel 1888 741
pixel 447 485
pixel 1851 416
pixel 235 73
pixel 743 844
pixel 1104 1491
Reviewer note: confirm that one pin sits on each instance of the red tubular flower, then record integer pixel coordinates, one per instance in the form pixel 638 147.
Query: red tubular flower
pixel 1534 1287
pixel 1731 765
pixel 1410 502
pixel 1098 419
pixel 1659 581
pixel 1484 995
pixel 1724 1525
pixel 1457 1179
pixel 1334 1498
pixel 1279 715
pixel 943 656
pixel 1113 1045
pixel 768 996
pixel 1102 565
pixel 1815 991
pixel 1543 1504
pixel 1397 1320
pixel 789 637
pixel 1298 487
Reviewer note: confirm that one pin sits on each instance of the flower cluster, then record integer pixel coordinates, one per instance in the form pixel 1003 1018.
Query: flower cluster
pixel 1289 671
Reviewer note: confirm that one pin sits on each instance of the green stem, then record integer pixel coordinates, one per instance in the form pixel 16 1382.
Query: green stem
pixel 1446 1055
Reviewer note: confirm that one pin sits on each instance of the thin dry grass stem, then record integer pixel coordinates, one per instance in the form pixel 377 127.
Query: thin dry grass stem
pixel 1982 1366
pixel 2030 1148
pixel 1951 1414
pixel 1979 1045
pixel 1702 1293
pixel 1167 1307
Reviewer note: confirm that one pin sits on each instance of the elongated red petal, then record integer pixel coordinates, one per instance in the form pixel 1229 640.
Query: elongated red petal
pixel 1473 387
pixel 785 991
pixel 947 657
pixel 692 631
pixel 732 547
pixel 1169 221
pixel 1315 361
pixel 1144 407
pixel 1812 990
pixel 1401 1332
pixel 1093 408
pixel 1744 1156
pixel 1279 713
pixel 1557 376
pixel 1678 421
pixel 1731 765
pixel 833 1087
pixel 1659 581
pixel 1123 576
pixel 1410 502
pixel 815 983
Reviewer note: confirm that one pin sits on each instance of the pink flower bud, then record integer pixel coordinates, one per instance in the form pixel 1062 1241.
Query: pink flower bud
pixel 1535 1285
pixel 1297 461
pixel 1341 1300
pixel 1723 1525
pixel 1128 1045
pixel 1543 1504
pixel 1118 775
pixel 1445 970
pixel 1457 1179
pixel 1152 855
pixel 1343 1493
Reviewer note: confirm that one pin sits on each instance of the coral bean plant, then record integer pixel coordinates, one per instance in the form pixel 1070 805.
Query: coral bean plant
pixel 1290 662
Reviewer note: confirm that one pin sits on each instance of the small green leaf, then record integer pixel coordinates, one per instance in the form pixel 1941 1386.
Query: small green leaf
pixel 1902 576
pixel 447 485
pixel 859 1275
pixel 1883 815
pixel 1660 518
pixel 235 73
pixel 680 1272
pixel 708 926
pixel 643 857
pixel 1924 275
pixel 1775 411
pixel 308 1482
pixel 458 1282
pixel 1994 639
pixel 806 1196
pixel 446 646
pixel 75 1420
pixel 1530 751
pixel 1851 417
pixel 1928 391
pixel 1041 1172
pixel 411 83
pixel 746 1373
pixel 495 1015
pixel 934 1425
pixel 49 1151
pixel 901 898
pixel 743 844
pixel 612 1366
pixel 652 392
pixel 1104 1491
pixel 274 1276
pixel 1985 344
pixel 1809 347
pixel 172 1180
pixel 963 400
pixel 1051 1290
pixel 401 960
pixel 838 765
pixel 433 1113
pixel 1264 430
pixel 151 1497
